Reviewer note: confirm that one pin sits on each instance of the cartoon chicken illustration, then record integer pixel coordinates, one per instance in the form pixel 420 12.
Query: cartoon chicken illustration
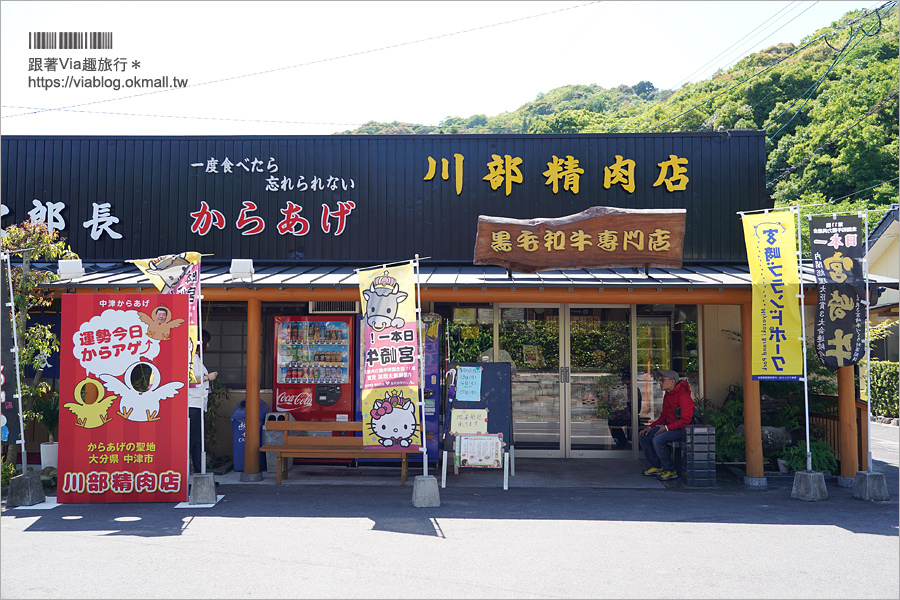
pixel 160 325
pixel 134 404
pixel 90 409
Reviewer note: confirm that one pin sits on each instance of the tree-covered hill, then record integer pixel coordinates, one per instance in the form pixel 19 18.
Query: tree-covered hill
pixel 829 107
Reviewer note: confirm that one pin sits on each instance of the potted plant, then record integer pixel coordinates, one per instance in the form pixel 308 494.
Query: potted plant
pixel 46 410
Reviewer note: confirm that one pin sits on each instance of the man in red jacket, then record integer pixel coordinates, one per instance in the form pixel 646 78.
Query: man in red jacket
pixel 656 436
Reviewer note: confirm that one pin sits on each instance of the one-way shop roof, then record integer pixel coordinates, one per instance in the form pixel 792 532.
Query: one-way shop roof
pixel 711 276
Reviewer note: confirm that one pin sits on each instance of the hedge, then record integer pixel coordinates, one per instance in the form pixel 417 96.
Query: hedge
pixel 885 393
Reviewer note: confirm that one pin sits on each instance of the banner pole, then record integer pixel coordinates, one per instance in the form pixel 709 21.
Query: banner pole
pixel 865 216
pixel 421 369
pixel 15 351
pixel 803 334
pixel 202 366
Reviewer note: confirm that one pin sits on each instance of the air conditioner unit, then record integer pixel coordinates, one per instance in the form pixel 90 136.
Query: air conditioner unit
pixel 341 307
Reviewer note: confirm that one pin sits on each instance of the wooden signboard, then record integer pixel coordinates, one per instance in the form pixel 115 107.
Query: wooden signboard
pixel 599 237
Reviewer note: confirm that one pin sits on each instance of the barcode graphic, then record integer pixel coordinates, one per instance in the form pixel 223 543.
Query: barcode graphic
pixel 70 40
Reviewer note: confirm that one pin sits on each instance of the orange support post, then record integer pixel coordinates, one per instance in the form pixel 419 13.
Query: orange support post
pixel 847 442
pixel 752 415
pixel 254 353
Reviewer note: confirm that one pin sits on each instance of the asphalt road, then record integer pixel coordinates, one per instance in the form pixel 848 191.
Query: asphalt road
pixel 339 541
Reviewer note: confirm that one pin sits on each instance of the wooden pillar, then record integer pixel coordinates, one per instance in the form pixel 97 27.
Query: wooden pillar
pixel 254 349
pixel 752 415
pixel 848 443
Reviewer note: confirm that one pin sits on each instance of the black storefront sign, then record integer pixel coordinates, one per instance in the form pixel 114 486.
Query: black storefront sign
pixel 10 403
pixel 836 244
pixel 358 199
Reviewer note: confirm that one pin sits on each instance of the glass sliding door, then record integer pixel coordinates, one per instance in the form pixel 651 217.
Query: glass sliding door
pixel 600 389
pixel 529 338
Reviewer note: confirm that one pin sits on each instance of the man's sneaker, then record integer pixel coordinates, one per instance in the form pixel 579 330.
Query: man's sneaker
pixel 667 475
pixel 652 471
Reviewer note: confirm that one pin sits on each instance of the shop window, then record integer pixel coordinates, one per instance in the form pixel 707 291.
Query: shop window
pixel 667 338
pixel 470 333
pixel 227 351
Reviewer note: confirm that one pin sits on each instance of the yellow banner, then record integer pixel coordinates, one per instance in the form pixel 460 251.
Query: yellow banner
pixel 776 335
pixel 390 374
pixel 179 274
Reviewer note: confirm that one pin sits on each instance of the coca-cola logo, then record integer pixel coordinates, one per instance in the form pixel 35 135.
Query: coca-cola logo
pixel 285 400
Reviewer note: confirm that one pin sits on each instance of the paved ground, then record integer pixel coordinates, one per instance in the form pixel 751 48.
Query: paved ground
pixel 598 530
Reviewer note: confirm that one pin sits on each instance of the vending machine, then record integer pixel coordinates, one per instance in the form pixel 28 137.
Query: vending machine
pixel 314 362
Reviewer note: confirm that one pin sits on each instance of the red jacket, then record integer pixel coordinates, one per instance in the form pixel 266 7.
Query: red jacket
pixel 679 396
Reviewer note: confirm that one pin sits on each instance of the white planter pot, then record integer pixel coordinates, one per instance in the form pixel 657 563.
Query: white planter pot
pixel 783 466
pixel 49 455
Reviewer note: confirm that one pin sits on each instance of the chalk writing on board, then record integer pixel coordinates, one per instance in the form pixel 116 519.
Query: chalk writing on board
pixel 484 451
pixel 468 384
pixel 472 421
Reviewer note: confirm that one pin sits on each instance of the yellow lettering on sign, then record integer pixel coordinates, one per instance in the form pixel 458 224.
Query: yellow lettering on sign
pixel 579 239
pixel 567 170
pixel 608 240
pixel 501 241
pixel 839 305
pixel 658 241
pixel 527 241
pixel 678 181
pixel 836 266
pixel 504 169
pixel 554 240
pixel 622 172
pixel 635 238
pixel 841 344
pixel 445 170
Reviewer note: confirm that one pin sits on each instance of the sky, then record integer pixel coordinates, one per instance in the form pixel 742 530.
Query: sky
pixel 318 68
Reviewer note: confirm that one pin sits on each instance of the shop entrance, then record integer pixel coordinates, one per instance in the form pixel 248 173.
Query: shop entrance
pixel 571 379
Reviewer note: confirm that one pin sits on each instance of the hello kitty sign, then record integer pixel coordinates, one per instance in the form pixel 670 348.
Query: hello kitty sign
pixel 391 411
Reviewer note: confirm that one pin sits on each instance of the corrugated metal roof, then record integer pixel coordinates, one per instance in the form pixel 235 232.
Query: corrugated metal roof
pixel 705 276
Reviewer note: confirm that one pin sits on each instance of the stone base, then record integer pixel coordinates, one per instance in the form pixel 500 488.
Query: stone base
pixel 25 490
pixel 809 486
pixel 425 492
pixel 756 483
pixel 845 482
pixel 869 485
pixel 245 477
pixel 203 489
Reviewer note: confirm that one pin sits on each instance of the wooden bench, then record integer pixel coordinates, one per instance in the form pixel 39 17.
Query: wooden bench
pixel 348 445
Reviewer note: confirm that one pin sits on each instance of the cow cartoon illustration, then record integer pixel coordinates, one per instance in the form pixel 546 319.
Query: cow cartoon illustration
pixel 382 302
pixel 170 269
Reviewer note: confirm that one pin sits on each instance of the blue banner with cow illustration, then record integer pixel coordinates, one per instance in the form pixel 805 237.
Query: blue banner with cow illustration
pixel 390 373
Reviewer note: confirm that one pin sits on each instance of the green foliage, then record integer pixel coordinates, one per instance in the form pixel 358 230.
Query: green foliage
pixel 729 445
pixel 823 458
pixel 32 241
pixel 883 378
pixel 45 407
pixel 831 124
pixel 469 349
pixel 7 472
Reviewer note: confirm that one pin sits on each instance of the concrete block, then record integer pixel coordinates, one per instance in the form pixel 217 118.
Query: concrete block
pixel 869 485
pixel 809 486
pixel 203 489
pixel 25 490
pixel 425 492
pixel 756 483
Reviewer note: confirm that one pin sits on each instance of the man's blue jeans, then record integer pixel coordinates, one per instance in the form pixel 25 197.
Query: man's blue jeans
pixel 656 447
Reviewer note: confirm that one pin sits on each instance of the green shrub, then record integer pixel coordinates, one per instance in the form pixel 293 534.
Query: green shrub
pixel 823 458
pixel 729 445
pixel 883 378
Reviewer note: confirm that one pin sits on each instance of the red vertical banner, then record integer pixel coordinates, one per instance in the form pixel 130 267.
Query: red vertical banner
pixel 123 427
